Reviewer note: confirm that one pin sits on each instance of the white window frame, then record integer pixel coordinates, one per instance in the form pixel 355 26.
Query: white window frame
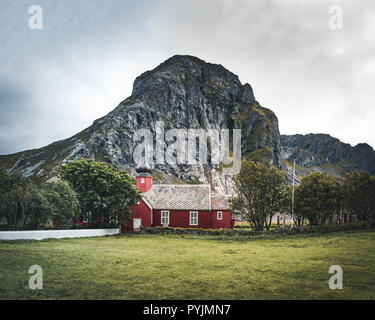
pixel 161 217
pixel 142 180
pixel 191 217
pixel 221 215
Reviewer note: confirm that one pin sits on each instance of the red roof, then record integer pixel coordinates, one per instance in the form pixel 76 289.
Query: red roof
pixel 185 197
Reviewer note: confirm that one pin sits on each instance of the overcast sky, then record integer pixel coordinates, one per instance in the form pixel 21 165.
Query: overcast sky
pixel 56 81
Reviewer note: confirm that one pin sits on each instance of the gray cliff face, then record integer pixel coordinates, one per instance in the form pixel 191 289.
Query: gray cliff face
pixel 322 151
pixel 183 92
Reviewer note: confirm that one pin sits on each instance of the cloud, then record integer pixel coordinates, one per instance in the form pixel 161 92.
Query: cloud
pixel 314 78
pixel 57 81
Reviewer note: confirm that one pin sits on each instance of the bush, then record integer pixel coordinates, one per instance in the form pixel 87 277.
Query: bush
pixel 251 234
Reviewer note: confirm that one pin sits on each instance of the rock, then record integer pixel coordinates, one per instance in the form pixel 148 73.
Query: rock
pixel 184 92
pixel 321 152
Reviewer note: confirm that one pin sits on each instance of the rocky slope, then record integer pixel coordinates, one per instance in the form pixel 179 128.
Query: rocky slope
pixel 184 92
pixel 321 152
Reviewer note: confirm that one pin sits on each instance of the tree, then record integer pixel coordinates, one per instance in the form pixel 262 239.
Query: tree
pixel 21 203
pixel 318 197
pixel 104 192
pixel 359 195
pixel 262 192
pixel 38 209
pixel 61 203
pixel 5 185
pixel 298 218
pixel 24 204
pixel 5 180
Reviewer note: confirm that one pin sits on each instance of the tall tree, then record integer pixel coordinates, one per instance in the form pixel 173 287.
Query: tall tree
pixel 262 192
pixel 318 197
pixel 104 192
pixel 61 203
pixel 359 195
pixel 21 203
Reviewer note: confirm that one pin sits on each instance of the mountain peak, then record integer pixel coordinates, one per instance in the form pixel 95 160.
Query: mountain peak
pixel 187 69
pixel 189 61
pixel 182 92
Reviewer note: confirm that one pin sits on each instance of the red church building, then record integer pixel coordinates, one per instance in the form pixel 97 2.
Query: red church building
pixel 180 206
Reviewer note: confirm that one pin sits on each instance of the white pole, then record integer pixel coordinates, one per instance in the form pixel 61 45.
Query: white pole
pixel 294 174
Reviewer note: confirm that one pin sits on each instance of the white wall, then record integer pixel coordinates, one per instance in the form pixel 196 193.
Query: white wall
pixel 56 234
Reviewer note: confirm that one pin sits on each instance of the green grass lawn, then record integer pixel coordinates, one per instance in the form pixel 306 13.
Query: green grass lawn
pixel 172 267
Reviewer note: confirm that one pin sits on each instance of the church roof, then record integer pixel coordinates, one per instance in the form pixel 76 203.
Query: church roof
pixel 184 197
pixel 220 203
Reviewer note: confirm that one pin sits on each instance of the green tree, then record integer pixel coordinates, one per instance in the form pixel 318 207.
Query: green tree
pixel 38 210
pixel 104 192
pixel 298 218
pixel 261 193
pixel 61 203
pixel 21 203
pixel 359 195
pixel 318 197
pixel 5 180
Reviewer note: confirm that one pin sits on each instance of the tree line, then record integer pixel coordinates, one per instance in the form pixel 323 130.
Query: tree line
pixel 85 190
pixel 263 191
pixel 101 194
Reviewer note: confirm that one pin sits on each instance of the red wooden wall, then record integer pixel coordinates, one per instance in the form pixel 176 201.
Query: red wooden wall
pixel 140 211
pixel 224 223
pixel 206 219
pixel 146 185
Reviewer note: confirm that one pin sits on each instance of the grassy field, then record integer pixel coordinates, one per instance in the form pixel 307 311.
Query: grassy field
pixel 172 267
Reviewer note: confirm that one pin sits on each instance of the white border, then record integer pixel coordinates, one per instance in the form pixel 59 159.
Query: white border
pixel 56 234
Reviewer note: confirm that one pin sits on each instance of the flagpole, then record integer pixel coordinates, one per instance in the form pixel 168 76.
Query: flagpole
pixel 294 174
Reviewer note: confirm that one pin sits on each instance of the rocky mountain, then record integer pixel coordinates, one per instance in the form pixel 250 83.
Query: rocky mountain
pixel 321 152
pixel 183 92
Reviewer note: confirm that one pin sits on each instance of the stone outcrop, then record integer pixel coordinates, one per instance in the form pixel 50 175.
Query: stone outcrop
pixel 321 152
pixel 183 92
